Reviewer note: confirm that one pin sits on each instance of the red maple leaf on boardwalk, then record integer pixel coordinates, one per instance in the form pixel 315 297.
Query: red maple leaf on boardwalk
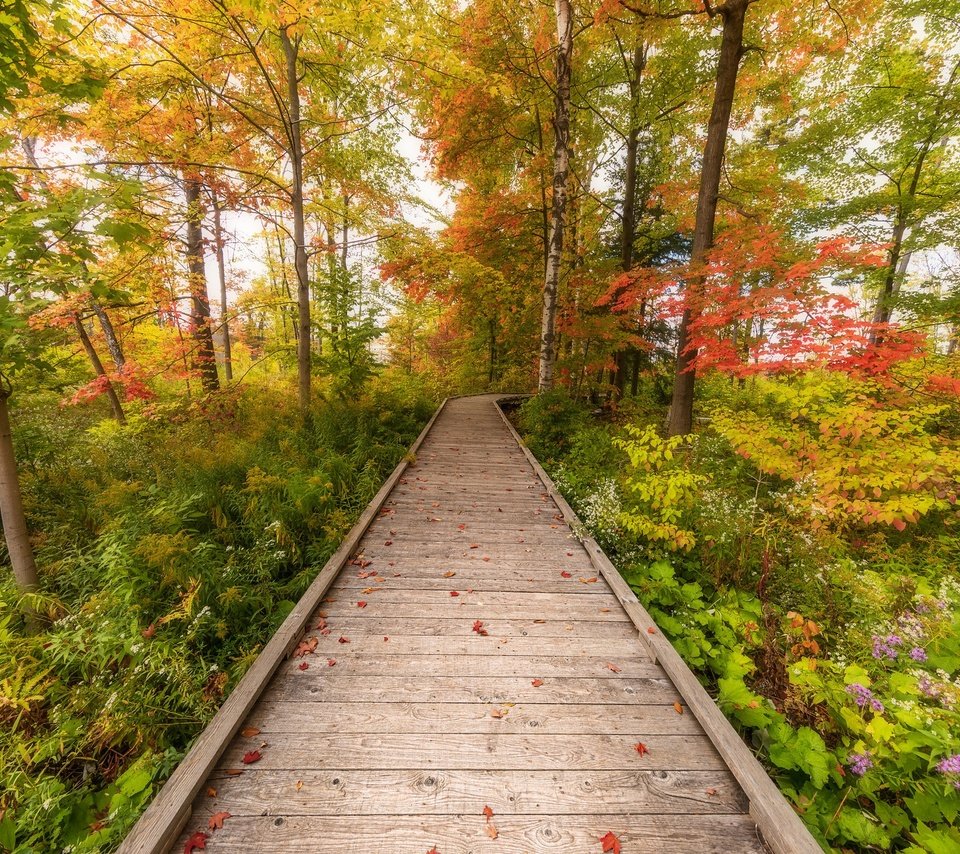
pixel 199 840
pixel 478 628
pixel 641 748
pixel 610 843
pixel 251 757
pixel 217 819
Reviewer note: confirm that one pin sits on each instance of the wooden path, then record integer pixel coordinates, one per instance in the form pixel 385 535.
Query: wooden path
pixel 472 654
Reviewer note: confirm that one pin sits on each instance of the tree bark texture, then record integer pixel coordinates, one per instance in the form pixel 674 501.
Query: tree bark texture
pixel 291 50
pixel 11 507
pixel 204 361
pixel 734 14
pixel 561 170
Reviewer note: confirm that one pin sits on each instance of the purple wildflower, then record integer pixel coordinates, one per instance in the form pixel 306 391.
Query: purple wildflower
pixel 862 695
pixel 886 647
pixel 950 765
pixel 860 763
pixel 918 653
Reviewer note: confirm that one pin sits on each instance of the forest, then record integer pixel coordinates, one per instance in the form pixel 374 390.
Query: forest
pixel 249 247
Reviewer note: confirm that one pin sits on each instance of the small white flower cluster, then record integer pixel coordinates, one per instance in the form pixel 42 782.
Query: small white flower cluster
pixel 600 508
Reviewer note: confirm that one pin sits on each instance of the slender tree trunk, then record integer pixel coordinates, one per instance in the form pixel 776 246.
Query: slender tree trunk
pixel 897 267
pixel 204 355
pixel 561 169
pixel 345 248
pixel 11 507
pixel 291 50
pixel 98 369
pixel 628 231
pixel 109 335
pixel 728 65
pixel 218 242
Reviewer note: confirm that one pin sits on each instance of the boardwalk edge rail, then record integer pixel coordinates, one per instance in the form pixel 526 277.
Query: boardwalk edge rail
pixel 782 829
pixel 163 820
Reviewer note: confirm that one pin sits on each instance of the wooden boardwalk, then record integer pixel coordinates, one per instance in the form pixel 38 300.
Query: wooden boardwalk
pixel 470 656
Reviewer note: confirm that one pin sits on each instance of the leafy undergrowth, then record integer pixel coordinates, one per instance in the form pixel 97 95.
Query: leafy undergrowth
pixel 172 548
pixel 801 552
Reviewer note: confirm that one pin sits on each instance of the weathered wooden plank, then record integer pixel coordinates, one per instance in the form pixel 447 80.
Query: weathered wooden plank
pixel 167 813
pixel 581 610
pixel 479 579
pixel 470 718
pixel 781 826
pixel 610 649
pixel 446 792
pixel 539 666
pixel 458 834
pixel 339 685
pixel 534 600
pixel 503 752
pixel 377 626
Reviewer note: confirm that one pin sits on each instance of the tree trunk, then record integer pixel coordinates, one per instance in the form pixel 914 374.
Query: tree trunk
pixel 204 355
pixel 109 335
pixel 98 369
pixel 897 267
pixel 218 242
pixel 731 50
pixel 11 507
pixel 291 50
pixel 345 248
pixel 561 169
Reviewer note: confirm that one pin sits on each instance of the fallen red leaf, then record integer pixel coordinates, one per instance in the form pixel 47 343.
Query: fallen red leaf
pixel 217 819
pixel 488 812
pixel 610 843
pixel 149 631
pixel 711 791
pixel 613 667
pixel 566 574
pixel 198 840
pixel 486 558
pixel 305 647
pixel 342 639
pixel 233 772
pixel 303 666
pixel 361 604
pixel 591 580
pixel 677 707
pixel 211 792
pixel 569 554
pixel 474 545
pixel 537 683
pixel 478 628
pixel 433 850
pixel 449 574
pixel 251 756
pixel 641 748
pixel 454 592
pixel 385 638
pixel 651 630
pixel 331 662
pixel 388 542
pixel 250 731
